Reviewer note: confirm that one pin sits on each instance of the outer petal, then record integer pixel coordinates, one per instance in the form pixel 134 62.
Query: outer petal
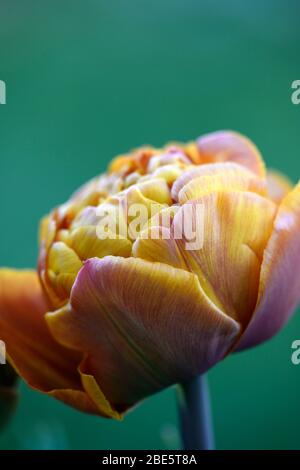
pixel 278 185
pixel 279 289
pixel 44 364
pixel 142 325
pixel 224 146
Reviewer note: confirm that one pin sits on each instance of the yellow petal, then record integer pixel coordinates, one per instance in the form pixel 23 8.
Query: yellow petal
pixel 169 173
pixel 155 189
pixel 163 248
pixel 130 211
pixel 85 242
pixel 47 232
pixel 63 266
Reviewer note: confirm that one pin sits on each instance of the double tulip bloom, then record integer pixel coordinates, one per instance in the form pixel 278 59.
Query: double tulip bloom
pixel 106 322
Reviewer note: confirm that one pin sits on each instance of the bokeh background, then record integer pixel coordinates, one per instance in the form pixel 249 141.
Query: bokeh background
pixel 88 79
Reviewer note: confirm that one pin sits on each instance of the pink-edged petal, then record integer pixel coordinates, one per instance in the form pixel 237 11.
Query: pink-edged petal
pixel 224 146
pixel 279 289
pixel 203 179
pixel 278 185
pixel 142 326
pixel 235 228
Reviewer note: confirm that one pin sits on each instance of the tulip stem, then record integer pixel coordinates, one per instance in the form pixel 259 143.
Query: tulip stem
pixel 195 415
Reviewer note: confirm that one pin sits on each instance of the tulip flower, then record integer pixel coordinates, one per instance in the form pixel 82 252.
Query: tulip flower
pixel 109 320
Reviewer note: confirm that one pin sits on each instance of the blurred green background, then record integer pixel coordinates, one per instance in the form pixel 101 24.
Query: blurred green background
pixel 89 79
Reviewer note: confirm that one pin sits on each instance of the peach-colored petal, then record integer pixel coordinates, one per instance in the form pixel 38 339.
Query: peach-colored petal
pixel 224 146
pixel 142 325
pixel 200 180
pixel 279 288
pixel 278 185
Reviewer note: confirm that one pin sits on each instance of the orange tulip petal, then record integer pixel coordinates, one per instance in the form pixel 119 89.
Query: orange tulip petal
pixel 224 146
pixel 279 289
pixel 77 399
pixel 43 363
pixel 142 325
pixel 24 331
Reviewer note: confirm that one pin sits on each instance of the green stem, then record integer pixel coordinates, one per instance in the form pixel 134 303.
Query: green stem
pixel 195 415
